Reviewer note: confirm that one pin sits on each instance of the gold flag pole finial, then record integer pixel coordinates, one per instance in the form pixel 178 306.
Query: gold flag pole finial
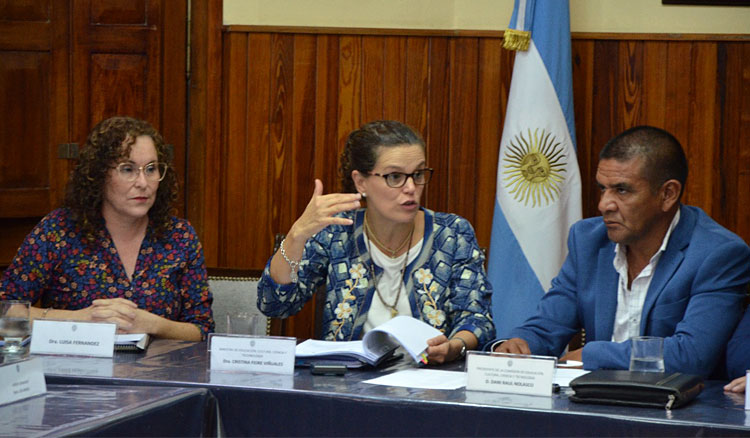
pixel 514 39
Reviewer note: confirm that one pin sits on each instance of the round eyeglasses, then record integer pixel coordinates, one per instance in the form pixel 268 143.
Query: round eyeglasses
pixel 153 171
pixel 398 179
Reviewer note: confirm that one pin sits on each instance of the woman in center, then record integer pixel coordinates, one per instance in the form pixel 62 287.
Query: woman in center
pixel 392 257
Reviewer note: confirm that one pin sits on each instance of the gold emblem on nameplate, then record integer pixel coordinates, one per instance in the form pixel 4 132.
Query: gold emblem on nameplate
pixel 533 168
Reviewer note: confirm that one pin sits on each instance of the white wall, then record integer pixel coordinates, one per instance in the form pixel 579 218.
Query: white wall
pixel 640 16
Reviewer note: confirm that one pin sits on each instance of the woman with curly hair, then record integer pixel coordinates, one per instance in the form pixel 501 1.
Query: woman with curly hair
pixel 114 253
pixel 391 258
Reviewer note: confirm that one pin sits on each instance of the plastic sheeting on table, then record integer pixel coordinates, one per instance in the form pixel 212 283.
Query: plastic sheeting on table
pixel 304 404
pixel 93 410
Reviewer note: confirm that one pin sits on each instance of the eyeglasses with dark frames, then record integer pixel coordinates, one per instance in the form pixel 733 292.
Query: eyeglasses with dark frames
pixel 153 171
pixel 398 179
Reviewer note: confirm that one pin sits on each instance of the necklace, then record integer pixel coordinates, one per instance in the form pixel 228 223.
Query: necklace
pixel 392 252
pixel 391 307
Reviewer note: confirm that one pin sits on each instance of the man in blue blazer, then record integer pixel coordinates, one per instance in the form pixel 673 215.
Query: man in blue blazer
pixel 649 266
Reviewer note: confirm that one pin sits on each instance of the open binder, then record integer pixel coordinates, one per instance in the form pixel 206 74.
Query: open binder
pixel 376 347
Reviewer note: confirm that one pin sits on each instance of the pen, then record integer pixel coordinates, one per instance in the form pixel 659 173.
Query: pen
pixel 424 358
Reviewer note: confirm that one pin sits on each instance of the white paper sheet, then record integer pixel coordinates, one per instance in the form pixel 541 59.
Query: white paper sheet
pixel 438 379
pixel 422 378
pixel 563 376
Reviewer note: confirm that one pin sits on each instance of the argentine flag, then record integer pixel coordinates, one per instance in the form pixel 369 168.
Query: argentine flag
pixel 538 181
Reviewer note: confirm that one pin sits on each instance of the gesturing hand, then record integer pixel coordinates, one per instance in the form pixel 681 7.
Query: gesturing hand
pixel 320 212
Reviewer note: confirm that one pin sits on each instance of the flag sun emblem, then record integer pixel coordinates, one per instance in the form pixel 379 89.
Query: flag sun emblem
pixel 534 167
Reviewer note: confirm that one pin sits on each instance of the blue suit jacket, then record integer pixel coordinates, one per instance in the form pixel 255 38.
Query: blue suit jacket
pixel 693 301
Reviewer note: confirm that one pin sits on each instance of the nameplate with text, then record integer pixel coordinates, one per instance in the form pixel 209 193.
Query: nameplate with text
pixel 21 380
pixel 261 354
pixel 73 338
pixel 510 373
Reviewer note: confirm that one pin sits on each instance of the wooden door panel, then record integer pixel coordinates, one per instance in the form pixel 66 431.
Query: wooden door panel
pixel 25 90
pixel 118 12
pixel 25 10
pixel 125 73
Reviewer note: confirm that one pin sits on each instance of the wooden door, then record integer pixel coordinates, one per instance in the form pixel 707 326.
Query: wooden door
pixel 34 114
pixel 64 66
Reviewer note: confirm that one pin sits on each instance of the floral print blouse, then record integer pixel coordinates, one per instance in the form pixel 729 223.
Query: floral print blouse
pixel 447 281
pixel 55 264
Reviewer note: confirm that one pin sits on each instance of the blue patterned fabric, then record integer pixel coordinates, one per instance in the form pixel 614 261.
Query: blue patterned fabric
pixel 447 284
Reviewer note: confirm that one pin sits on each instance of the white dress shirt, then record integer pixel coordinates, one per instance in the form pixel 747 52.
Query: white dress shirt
pixel 630 300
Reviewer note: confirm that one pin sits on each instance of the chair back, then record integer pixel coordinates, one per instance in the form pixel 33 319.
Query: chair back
pixel 235 293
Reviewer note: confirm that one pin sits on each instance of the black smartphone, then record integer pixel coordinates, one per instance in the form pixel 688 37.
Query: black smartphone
pixel 328 369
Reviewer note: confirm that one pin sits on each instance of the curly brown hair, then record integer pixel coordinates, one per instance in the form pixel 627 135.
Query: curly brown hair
pixel 109 143
pixel 361 149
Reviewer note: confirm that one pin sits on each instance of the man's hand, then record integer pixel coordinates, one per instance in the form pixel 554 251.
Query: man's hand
pixel 576 355
pixel 514 346
pixel 736 385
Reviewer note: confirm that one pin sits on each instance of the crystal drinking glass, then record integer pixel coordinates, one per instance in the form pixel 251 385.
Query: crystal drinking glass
pixel 14 325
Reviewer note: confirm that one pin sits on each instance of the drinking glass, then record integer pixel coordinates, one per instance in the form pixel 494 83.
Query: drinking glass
pixel 647 354
pixel 14 325
pixel 246 324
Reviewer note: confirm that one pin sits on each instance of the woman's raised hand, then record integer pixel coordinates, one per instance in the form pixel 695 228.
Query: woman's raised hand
pixel 320 212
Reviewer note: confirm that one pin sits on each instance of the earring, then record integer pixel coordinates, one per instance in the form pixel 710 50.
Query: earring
pixel 364 195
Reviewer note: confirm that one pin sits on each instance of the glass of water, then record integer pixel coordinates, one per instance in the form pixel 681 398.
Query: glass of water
pixel 246 324
pixel 14 325
pixel 647 354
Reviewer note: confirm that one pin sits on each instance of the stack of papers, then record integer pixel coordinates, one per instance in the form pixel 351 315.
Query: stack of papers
pixel 132 342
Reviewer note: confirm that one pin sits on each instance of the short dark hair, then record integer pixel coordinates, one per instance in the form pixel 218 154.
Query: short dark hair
pixel 360 152
pixel 662 154
pixel 102 151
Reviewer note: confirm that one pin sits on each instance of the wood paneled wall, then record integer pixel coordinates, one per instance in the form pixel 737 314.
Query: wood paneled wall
pixel 290 97
pixel 698 89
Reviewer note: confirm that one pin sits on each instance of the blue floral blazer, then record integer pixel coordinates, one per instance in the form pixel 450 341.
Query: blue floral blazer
pixel 447 284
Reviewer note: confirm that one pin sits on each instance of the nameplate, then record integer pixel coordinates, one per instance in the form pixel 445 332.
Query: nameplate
pixel 73 338
pixel 262 354
pixel 510 373
pixel 21 380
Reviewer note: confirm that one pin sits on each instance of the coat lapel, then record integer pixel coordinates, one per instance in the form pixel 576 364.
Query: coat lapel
pixel 605 291
pixel 669 262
